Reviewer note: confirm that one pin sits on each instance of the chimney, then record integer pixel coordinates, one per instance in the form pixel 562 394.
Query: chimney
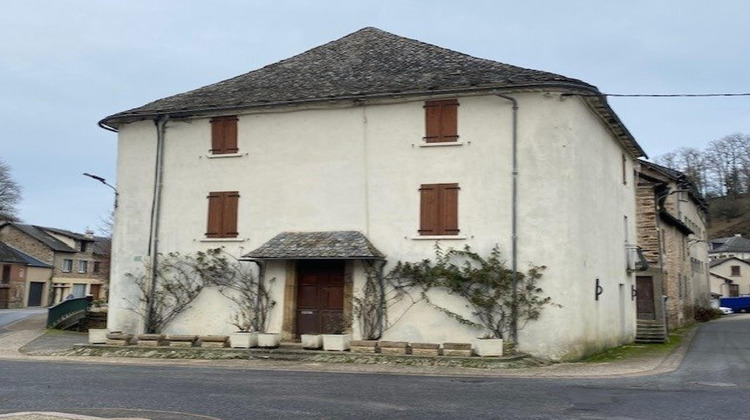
pixel 89 234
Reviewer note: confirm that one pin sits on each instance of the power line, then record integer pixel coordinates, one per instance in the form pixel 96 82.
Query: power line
pixel 672 95
pixel 659 95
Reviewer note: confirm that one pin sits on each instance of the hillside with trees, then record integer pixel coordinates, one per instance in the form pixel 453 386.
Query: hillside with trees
pixel 721 172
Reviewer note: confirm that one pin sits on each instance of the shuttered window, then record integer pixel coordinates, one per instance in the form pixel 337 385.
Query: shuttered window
pixel 224 135
pixel 222 214
pixel 441 121
pixel 438 209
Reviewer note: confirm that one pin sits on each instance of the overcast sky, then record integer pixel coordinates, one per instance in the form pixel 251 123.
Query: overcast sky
pixel 64 65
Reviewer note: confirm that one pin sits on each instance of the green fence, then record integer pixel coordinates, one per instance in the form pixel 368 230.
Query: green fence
pixel 67 310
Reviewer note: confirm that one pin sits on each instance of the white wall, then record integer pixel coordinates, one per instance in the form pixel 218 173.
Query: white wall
pixel 359 168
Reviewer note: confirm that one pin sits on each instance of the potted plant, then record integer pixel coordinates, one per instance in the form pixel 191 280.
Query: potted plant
pixel 245 337
pixel 269 340
pixel 488 346
pixel 98 335
pixel 311 341
pixel 239 283
pixel 338 340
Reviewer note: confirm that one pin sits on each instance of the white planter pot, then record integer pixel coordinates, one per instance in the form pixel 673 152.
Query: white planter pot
pixel 336 342
pixel 488 347
pixel 98 335
pixel 243 340
pixel 269 340
pixel 311 341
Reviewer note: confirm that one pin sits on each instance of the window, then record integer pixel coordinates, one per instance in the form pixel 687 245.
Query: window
pixel 624 170
pixel 83 246
pixel 97 267
pixel 224 135
pixel 438 209
pixel 6 274
pixel 222 214
pixel 83 266
pixel 67 266
pixel 441 121
pixel 735 270
pixel 734 290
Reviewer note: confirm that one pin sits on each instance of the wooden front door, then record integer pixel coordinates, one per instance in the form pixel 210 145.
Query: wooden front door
pixel 35 293
pixel 95 290
pixel 320 297
pixel 644 289
pixel 4 291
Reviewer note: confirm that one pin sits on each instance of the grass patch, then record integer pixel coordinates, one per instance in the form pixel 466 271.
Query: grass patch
pixel 636 350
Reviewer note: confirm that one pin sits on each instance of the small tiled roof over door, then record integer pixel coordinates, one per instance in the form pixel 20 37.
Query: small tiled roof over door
pixel 349 245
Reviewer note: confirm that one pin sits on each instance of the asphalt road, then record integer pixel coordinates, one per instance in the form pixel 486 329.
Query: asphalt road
pixel 712 382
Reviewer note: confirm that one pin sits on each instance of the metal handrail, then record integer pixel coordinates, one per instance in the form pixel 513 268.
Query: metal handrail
pixel 66 309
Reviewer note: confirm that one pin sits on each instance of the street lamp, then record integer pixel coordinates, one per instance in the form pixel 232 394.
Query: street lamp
pixel 103 181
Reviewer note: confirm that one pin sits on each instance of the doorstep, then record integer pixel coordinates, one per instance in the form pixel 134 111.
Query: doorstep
pixel 294 352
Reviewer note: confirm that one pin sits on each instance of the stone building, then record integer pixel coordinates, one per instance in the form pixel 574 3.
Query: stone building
pixel 78 268
pixel 672 236
pixel 24 280
pixel 389 145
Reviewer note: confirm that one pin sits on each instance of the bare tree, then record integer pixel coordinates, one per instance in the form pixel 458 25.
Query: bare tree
pixel 725 162
pixel 10 194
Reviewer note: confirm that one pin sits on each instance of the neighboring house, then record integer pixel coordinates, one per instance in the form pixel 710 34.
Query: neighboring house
pixel 672 218
pixel 374 147
pixel 77 268
pixel 733 246
pixel 24 280
pixel 730 277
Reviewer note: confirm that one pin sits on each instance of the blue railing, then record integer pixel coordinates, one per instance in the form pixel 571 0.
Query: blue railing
pixel 66 310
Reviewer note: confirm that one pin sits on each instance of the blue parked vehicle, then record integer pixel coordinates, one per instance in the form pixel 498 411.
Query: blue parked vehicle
pixel 736 304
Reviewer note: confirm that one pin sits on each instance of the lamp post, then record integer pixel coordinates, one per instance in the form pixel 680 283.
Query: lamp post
pixel 103 181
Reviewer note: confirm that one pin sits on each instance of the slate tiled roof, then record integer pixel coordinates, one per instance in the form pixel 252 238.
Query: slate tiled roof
pixel 317 245
pixel 731 244
pixel 369 63
pixel 9 254
pixel 41 236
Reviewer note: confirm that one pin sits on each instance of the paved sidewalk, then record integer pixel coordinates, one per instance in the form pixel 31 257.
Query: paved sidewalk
pixel 28 341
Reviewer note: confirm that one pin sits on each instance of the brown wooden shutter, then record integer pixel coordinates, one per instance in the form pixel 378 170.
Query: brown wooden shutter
pixel 230 135
pixel 215 204
pixel 229 219
pixel 441 121
pixel 449 209
pixel 428 209
pixel 224 135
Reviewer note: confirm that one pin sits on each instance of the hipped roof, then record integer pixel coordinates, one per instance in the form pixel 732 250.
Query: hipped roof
pixel 369 63
pixel 349 245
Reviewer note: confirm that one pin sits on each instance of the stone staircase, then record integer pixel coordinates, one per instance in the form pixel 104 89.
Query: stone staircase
pixel 650 331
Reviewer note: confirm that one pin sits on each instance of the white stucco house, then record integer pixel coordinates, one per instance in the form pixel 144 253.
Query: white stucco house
pixel 371 148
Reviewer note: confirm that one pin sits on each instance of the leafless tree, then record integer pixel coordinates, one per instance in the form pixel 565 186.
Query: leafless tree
pixel 10 194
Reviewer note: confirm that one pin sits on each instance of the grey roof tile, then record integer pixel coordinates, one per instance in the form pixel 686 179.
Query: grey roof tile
pixel 365 64
pixel 317 245
pixel 731 244
pixel 9 254
pixel 41 236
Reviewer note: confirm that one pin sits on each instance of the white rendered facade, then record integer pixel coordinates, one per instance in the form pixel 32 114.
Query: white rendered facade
pixel 358 167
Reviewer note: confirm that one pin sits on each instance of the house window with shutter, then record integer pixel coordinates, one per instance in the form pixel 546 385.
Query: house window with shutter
pixel 438 209
pixel 441 121
pixel 222 214
pixel 224 135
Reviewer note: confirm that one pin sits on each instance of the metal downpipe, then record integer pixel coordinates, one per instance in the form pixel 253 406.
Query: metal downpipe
pixel 153 250
pixel 514 220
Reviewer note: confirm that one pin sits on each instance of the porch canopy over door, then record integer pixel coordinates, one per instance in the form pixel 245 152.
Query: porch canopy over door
pixel 317 301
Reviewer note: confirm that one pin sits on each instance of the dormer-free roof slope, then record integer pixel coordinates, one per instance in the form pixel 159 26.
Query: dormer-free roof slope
pixel 369 63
